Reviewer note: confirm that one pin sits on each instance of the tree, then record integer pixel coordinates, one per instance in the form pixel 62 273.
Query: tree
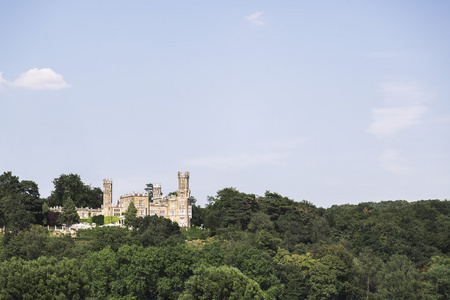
pixel 130 214
pixel 437 279
pixel 398 279
pixel 13 215
pixel 44 278
pixel 367 266
pixel 156 231
pixel 222 282
pixel 24 193
pixel 149 190
pixel 98 220
pixel 69 213
pixel 230 208
pixel 71 186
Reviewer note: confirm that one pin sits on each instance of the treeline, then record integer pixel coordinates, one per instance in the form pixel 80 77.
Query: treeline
pixel 242 247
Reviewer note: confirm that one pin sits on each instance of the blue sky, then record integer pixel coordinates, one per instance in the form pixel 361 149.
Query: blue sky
pixel 327 101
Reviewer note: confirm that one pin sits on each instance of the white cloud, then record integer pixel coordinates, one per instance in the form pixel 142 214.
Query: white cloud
pixel 2 81
pixel 393 161
pixel 389 121
pixel 256 18
pixel 40 79
pixel 237 161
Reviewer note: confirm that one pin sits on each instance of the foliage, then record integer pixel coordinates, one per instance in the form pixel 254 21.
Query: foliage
pixel 398 279
pixel 221 283
pixel 251 247
pixel 437 279
pixel 155 231
pixel 69 213
pixel 71 186
pixel 44 278
pixel 149 190
pixel 195 233
pixel 230 208
pixel 98 220
pixel 130 214
pixel 20 203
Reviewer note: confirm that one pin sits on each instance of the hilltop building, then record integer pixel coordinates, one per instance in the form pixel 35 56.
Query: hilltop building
pixel 177 207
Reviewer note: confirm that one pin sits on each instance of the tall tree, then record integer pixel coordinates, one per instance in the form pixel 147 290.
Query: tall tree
pixel 221 283
pixel 230 208
pixel 130 214
pixel 398 279
pixel 81 194
pixel 69 213
pixel 19 195
pixel 149 190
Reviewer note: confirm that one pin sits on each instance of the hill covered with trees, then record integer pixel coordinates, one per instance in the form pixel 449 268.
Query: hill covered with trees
pixel 243 246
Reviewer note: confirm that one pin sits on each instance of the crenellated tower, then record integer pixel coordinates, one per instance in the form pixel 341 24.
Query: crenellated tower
pixel 183 185
pixel 107 197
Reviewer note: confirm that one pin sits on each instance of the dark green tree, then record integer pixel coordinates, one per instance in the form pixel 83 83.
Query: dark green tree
pixel 44 278
pixel 437 279
pixel 71 186
pixel 156 231
pixel 221 283
pixel 149 190
pixel 230 208
pixel 367 264
pixel 25 193
pixel 98 220
pixel 398 279
pixel 69 213
pixel 130 214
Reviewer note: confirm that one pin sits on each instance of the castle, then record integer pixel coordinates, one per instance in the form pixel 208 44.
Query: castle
pixel 177 207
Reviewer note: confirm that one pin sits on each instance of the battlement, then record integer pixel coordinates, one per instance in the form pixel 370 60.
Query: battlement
pixel 134 195
pixel 183 174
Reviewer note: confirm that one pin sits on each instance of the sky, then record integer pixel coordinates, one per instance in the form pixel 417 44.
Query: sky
pixel 330 101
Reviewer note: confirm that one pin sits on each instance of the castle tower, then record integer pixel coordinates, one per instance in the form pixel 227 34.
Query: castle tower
pixel 107 197
pixel 183 185
pixel 157 191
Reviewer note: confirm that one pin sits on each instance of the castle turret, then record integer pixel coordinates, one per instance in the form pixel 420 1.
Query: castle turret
pixel 183 185
pixel 107 197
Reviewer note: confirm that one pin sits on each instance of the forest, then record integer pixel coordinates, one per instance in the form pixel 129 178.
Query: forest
pixel 242 246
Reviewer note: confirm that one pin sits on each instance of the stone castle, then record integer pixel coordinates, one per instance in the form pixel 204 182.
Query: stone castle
pixel 177 207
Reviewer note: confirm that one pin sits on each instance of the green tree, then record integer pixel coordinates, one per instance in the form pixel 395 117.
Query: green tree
pixel 71 186
pixel 437 280
pixel 367 265
pixel 44 278
pixel 13 214
pixel 98 220
pixel 130 214
pixel 149 190
pixel 69 213
pixel 23 193
pixel 230 208
pixel 156 231
pixel 221 283
pixel 398 279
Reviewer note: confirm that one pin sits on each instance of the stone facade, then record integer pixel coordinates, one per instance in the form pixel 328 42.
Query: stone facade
pixel 177 207
pixel 174 207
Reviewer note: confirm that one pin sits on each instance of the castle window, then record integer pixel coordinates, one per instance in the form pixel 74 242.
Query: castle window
pixel 162 213
pixel 142 212
pixel 140 202
pixel 172 212
pixel 181 212
pixel 83 214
